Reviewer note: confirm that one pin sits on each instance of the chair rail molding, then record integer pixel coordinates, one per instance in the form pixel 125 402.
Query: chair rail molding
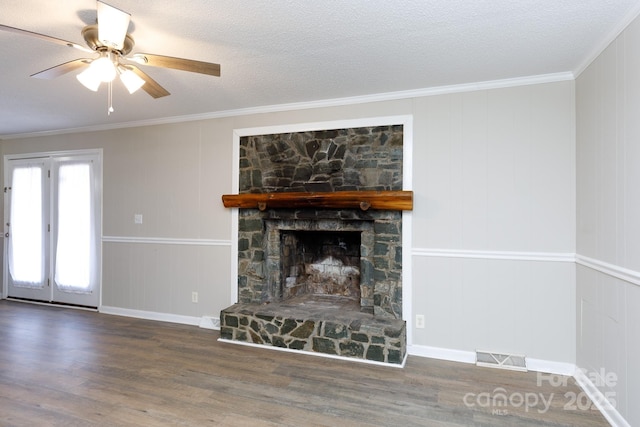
pixel 609 269
pixel 497 255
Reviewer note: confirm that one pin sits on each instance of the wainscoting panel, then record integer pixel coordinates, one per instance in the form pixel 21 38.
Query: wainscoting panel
pixel 161 275
pixel 608 327
pixel 510 302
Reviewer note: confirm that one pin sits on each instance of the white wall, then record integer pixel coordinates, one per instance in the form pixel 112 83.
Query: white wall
pixel 608 220
pixel 494 215
pixel 494 219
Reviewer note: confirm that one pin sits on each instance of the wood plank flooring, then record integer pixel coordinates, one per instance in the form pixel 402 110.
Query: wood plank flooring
pixel 66 367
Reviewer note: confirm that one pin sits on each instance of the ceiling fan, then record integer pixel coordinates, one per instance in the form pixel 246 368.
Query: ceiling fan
pixel 111 42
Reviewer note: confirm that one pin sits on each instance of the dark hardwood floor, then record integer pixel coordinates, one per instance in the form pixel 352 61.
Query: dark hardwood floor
pixel 66 367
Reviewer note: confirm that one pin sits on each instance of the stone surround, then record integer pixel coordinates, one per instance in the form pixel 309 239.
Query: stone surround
pixel 328 160
pixel 269 309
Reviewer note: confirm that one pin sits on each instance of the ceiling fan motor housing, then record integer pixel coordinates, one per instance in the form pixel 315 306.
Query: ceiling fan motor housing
pixel 90 35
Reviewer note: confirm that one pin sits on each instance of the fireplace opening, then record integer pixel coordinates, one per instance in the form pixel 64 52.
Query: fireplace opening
pixel 320 263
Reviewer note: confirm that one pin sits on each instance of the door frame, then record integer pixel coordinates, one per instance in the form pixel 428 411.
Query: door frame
pixel 98 152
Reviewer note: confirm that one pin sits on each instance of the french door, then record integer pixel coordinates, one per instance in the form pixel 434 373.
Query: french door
pixel 53 226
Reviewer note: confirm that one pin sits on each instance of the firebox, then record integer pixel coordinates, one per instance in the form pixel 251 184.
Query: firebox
pixel 320 257
pixel 320 263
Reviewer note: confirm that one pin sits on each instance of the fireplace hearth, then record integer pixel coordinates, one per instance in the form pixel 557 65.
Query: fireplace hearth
pixel 316 278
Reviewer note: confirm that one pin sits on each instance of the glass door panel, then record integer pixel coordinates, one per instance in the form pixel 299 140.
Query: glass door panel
pixel 27 253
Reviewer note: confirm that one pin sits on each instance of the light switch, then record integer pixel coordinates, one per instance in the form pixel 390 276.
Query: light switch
pixel 137 218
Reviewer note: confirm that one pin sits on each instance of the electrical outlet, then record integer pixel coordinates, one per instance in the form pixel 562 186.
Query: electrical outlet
pixel 137 219
pixel 194 297
pixel 420 321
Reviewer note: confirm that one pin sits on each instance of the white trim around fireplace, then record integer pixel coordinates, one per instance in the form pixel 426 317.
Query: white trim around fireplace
pixel 407 180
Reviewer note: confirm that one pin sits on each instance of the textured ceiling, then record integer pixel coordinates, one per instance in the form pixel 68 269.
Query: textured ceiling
pixel 293 51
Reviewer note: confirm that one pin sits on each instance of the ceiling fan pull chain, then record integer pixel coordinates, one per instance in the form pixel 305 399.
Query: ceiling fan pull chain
pixel 110 98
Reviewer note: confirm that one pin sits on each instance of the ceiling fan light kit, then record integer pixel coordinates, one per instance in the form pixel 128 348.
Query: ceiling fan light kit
pixel 103 68
pixel 109 38
pixel 129 79
pixel 89 79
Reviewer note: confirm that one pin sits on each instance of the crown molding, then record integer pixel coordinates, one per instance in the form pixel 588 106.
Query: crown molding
pixel 607 40
pixel 325 103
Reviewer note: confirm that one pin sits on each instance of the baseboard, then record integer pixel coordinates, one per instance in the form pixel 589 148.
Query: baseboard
pixel 442 353
pixel 599 399
pixel 536 365
pixel 207 322
pixel 551 367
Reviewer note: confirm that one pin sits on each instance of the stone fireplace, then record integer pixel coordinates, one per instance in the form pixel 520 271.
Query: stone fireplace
pixel 317 279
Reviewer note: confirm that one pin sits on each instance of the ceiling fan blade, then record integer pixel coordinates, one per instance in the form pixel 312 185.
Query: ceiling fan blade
pixel 44 37
pixel 177 63
pixel 112 25
pixel 150 86
pixel 58 70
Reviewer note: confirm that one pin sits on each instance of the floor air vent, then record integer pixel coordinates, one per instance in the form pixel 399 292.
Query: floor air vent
pixel 498 360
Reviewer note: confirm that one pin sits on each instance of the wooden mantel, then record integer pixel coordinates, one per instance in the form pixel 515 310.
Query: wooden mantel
pixel 365 200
